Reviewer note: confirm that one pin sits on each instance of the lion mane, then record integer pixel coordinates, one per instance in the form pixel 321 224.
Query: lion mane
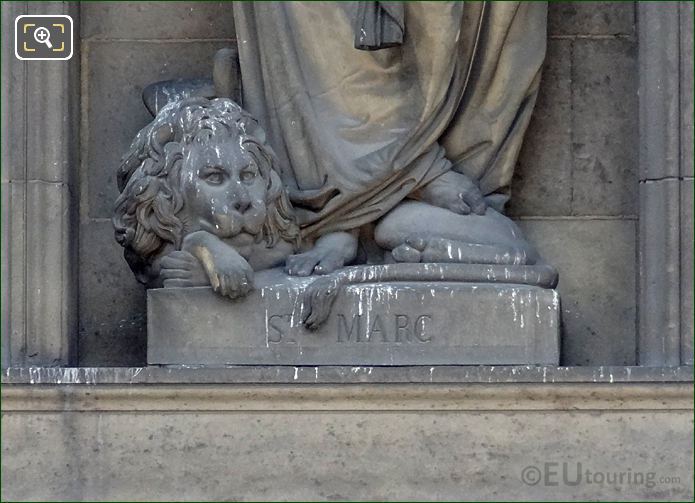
pixel 147 218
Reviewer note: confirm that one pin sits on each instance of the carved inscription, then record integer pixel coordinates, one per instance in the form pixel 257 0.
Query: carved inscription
pixel 356 328
pixel 398 328
pixel 278 329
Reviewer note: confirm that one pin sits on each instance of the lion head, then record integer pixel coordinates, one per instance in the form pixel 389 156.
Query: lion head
pixel 199 165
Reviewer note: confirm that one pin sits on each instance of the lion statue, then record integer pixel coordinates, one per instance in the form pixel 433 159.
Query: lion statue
pixel 199 187
pixel 202 203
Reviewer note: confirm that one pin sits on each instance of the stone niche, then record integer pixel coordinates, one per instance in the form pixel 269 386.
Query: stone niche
pixel 575 183
pixel 384 242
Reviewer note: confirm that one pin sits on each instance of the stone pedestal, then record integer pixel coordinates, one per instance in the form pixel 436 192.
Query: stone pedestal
pixel 394 323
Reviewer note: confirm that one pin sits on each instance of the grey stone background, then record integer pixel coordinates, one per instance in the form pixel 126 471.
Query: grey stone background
pixel 575 189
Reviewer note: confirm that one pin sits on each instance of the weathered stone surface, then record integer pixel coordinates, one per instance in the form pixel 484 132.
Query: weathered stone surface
pixel 660 168
pixel 157 20
pixel 686 170
pixel 687 273
pixel 331 374
pixel 13 305
pixel 425 442
pixel 37 303
pixel 596 262
pixel 591 18
pixel 405 323
pixel 49 275
pixel 686 89
pixel 13 96
pixel 659 273
pixel 116 74
pixel 542 182
pixel 659 83
pixel 604 127
pixel 112 303
pixel 55 157
pixel 5 271
pixel 580 154
pixel 39 160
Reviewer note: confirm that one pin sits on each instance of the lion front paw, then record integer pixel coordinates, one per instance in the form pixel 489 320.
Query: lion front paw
pixel 231 278
pixel 180 269
pixel 314 261
pixel 229 273
pixel 331 252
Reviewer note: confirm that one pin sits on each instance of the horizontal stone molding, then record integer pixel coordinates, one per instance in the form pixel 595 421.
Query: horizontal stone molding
pixel 364 398
pixel 284 374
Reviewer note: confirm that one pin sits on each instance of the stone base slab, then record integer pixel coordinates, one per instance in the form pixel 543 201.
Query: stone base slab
pixel 394 323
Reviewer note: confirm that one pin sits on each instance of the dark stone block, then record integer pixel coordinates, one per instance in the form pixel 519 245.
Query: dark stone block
pixel 157 20
pixel 542 184
pixel 604 128
pixel 112 304
pixel 591 18
pixel 596 262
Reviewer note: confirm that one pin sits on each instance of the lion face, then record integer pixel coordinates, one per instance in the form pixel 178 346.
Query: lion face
pixel 222 187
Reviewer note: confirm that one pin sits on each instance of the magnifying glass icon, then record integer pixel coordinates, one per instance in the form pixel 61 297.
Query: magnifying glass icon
pixel 43 36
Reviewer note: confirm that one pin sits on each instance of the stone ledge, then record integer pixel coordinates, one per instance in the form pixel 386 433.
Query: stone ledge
pixel 282 374
pixel 364 398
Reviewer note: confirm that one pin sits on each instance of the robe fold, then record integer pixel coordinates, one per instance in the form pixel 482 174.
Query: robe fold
pixel 357 131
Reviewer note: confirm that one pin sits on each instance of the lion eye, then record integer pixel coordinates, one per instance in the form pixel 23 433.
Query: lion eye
pixel 247 176
pixel 213 177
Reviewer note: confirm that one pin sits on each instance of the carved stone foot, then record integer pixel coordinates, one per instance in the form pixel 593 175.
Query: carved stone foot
pixel 443 250
pixel 418 232
pixel 454 192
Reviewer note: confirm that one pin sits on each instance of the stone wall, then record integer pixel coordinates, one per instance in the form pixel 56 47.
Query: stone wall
pixel 575 191
pixel 370 441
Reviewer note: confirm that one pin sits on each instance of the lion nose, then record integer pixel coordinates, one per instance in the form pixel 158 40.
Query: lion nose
pixel 242 203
